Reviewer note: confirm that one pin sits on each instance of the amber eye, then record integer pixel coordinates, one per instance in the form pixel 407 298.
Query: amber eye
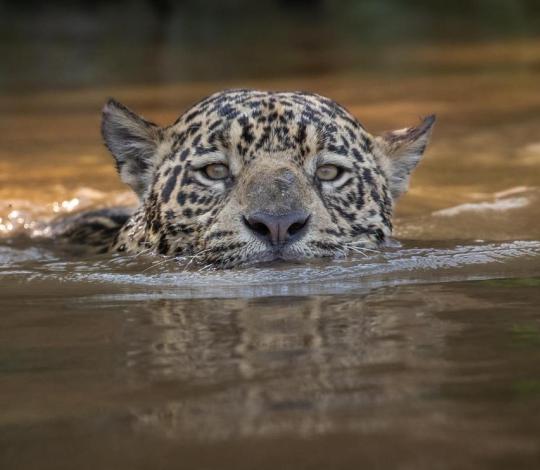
pixel 216 171
pixel 328 172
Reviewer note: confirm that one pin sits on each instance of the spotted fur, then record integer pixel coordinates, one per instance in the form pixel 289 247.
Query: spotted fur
pixel 273 144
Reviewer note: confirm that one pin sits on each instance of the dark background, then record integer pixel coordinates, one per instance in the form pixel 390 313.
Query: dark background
pixel 74 44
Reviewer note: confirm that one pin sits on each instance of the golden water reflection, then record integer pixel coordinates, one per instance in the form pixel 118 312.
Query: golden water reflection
pixel 486 138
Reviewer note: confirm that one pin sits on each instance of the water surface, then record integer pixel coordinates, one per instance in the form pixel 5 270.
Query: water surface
pixel 422 356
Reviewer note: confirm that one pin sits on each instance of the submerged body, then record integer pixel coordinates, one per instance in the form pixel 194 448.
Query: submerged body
pixel 246 176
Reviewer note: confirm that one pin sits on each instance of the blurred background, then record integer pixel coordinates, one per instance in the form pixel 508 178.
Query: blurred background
pixel 58 44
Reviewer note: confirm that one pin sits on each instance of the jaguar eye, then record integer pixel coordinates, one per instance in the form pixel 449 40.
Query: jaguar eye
pixel 216 171
pixel 328 172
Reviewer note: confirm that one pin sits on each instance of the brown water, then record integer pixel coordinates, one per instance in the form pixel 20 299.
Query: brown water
pixel 425 356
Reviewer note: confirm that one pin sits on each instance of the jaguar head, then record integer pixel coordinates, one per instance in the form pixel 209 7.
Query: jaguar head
pixel 247 176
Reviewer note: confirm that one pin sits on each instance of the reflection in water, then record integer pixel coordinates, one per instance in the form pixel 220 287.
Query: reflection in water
pixel 223 383
pixel 292 364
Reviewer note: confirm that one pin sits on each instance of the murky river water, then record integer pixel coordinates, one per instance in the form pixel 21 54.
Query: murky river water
pixel 424 356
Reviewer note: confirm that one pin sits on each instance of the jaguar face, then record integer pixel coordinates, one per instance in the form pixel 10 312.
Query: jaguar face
pixel 248 176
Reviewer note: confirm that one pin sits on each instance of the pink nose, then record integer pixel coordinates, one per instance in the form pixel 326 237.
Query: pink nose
pixel 278 229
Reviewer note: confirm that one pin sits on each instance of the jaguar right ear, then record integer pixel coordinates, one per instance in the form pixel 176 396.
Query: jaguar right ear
pixel 402 150
pixel 133 142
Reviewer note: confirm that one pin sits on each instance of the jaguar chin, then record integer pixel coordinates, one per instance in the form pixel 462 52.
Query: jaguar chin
pixel 248 176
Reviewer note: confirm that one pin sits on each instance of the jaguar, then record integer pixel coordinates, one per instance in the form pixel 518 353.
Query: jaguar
pixel 248 176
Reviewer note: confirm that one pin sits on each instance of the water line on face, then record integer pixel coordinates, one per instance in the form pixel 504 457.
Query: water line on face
pixel 139 277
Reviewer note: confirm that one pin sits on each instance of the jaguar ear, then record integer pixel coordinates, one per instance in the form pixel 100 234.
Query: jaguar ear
pixel 401 151
pixel 133 142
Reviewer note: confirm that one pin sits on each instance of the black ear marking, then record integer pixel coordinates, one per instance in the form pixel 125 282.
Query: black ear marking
pixel 133 141
pixel 401 151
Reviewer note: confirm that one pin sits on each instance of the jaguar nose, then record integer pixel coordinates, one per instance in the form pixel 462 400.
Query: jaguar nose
pixel 278 229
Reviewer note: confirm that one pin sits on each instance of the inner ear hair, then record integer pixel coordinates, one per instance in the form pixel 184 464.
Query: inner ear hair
pixel 133 142
pixel 402 150
pixel 407 139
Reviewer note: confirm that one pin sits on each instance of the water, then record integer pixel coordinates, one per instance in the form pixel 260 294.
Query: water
pixel 423 356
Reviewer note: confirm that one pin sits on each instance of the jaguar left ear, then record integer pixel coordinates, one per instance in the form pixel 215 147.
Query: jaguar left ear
pixel 134 143
pixel 401 151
